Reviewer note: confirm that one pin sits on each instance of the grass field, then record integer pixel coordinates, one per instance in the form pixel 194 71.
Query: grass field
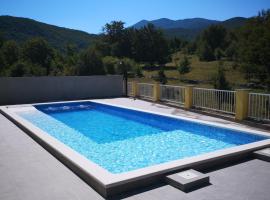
pixel 201 72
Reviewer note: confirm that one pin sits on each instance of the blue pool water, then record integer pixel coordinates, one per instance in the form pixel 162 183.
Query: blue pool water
pixel 122 140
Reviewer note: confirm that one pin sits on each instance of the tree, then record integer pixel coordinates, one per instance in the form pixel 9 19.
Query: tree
pixel 218 53
pixel 1 65
pixel 138 71
pixel 175 45
pixel 110 63
pixel 114 31
pixel 212 38
pixel 38 51
pixel 184 66
pixel 220 81
pixel 254 46
pixel 17 70
pixel 10 52
pixel 1 40
pixel 150 45
pixel 206 52
pixel 90 63
pixel 231 51
pixel 71 56
pixel 162 76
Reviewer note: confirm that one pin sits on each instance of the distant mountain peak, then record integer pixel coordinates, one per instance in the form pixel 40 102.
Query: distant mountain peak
pixel 189 28
pixel 165 23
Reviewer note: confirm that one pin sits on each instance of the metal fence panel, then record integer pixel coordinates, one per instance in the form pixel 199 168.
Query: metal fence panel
pixel 259 106
pixel 216 100
pixel 172 94
pixel 146 90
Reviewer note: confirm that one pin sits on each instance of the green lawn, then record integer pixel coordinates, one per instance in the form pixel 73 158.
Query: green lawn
pixel 200 71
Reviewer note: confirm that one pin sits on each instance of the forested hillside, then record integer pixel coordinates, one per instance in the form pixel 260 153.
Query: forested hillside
pixel 21 29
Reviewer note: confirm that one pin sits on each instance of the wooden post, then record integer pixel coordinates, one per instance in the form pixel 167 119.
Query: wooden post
pixel 188 96
pixel 156 92
pixel 241 106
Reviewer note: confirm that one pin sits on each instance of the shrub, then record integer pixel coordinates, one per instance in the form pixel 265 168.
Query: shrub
pixel 184 66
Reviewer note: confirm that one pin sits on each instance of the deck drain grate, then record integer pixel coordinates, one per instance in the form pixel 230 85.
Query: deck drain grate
pixel 188 180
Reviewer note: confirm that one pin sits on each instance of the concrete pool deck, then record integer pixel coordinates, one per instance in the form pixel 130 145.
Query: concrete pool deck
pixel 27 171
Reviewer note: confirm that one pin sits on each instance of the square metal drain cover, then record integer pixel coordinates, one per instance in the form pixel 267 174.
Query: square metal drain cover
pixel 187 174
pixel 188 180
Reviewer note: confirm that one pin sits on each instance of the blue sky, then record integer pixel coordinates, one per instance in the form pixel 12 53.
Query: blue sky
pixel 91 15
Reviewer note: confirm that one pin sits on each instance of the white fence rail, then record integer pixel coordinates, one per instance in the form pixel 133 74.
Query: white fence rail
pixel 223 101
pixel 146 90
pixel 172 94
pixel 259 106
pixel 129 89
pixel 216 100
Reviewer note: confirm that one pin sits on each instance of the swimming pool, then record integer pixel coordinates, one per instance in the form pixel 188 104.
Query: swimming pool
pixel 114 148
pixel 121 140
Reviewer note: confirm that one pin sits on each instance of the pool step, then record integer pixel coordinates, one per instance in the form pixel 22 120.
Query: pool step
pixel 188 180
pixel 263 154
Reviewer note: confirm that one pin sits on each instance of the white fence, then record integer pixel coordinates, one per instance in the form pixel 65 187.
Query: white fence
pixel 222 101
pixel 129 89
pixel 172 94
pixel 259 106
pixel 146 90
pixel 216 100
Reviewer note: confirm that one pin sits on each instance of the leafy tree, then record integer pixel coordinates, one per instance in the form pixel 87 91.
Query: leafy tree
pixel 220 81
pixel 102 47
pixel 162 76
pixel 150 45
pixel 10 52
pixel 1 40
pixel 90 63
pixel 113 35
pixel 110 63
pixel 254 46
pixel 212 38
pixel 114 31
pixel 218 53
pixel 215 36
pixel 71 56
pixel 17 70
pixel 117 40
pixel 206 52
pixel 71 50
pixel 231 51
pixel 138 71
pixel 38 51
pixel 175 44
pixel 189 47
pixel 1 65
pixel 184 66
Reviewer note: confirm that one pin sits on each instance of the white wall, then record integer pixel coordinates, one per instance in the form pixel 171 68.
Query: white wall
pixel 20 90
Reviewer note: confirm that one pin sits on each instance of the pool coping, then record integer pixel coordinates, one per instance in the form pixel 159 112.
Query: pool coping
pixel 108 184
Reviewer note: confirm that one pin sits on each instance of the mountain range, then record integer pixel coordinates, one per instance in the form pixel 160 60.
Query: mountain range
pixel 21 29
pixel 189 28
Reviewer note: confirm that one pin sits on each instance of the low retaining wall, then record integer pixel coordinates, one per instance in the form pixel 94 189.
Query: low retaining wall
pixel 22 90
